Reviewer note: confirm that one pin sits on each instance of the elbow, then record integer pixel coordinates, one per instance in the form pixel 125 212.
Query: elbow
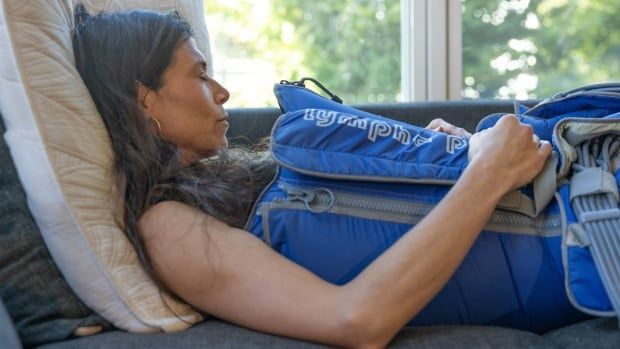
pixel 362 328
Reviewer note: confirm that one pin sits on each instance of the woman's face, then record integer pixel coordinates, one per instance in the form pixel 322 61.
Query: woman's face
pixel 190 105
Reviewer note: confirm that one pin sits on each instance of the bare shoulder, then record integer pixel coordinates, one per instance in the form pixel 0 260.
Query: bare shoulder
pixel 172 230
pixel 183 242
pixel 166 214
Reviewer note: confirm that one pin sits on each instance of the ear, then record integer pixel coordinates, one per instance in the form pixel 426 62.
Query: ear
pixel 146 97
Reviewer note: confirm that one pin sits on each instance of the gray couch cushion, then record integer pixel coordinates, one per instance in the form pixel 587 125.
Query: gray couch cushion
pixel 208 334
pixel 596 333
pixel 217 334
pixel 36 296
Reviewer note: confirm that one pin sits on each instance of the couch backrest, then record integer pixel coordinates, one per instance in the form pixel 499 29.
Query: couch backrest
pixel 247 125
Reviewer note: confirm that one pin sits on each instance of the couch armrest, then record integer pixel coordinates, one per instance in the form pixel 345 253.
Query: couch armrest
pixel 8 336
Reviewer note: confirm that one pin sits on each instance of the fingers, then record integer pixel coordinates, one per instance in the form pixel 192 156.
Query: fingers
pixel 439 125
pixel 515 129
pixel 544 149
pixel 434 124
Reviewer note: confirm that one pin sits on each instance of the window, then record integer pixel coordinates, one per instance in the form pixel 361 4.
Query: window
pixel 536 48
pixel 351 46
pixel 373 51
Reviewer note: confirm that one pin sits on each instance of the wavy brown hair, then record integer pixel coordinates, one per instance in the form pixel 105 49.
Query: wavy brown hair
pixel 113 51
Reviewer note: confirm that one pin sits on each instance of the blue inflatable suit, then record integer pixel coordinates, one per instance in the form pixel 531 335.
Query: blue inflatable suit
pixel 350 184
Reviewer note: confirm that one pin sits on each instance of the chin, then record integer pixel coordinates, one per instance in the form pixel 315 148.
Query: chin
pixel 214 150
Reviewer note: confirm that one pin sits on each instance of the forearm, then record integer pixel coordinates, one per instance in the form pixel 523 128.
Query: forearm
pixel 405 278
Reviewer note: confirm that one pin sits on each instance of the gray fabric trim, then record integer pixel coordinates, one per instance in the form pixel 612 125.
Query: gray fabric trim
pixel 264 212
pixel 255 207
pixel 544 185
pixel 570 132
pixel 577 236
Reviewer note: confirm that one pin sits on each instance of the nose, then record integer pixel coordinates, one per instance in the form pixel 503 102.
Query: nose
pixel 220 93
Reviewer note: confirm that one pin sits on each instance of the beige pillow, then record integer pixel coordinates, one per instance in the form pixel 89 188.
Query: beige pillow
pixel 63 156
pixel 191 10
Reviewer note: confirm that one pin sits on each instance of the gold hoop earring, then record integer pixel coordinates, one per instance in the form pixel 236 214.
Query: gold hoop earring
pixel 157 124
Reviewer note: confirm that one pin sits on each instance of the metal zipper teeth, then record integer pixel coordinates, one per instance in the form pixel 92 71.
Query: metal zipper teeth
pixel 400 208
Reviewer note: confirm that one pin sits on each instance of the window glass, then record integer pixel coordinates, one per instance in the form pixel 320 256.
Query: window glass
pixel 536 48
pixel 351 46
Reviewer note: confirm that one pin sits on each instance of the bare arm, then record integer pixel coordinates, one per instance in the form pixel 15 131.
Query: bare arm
pixel 233 275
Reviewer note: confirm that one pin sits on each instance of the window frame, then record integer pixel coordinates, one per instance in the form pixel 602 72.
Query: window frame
pixel 431 45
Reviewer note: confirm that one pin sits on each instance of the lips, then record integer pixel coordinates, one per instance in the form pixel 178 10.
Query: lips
pixel 225 118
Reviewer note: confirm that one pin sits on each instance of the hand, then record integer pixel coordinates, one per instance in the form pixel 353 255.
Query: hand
pixel 509 151
pixel 440 125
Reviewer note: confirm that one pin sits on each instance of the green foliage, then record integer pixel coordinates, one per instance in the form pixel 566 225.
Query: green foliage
pixel 352 46
pixel 574 43
pixel 511 48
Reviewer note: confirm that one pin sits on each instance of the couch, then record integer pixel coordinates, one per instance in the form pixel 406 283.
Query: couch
pixel 249 125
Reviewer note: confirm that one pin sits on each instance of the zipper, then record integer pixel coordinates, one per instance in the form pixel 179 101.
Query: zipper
pixel 321 199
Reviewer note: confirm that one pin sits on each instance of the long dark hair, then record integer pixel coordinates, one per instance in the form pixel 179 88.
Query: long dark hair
pixel 114 51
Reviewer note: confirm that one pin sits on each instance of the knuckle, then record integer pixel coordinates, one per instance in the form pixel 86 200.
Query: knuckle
pixel 527 129
pixel 433 123
pixel 510 117
pixel 510 120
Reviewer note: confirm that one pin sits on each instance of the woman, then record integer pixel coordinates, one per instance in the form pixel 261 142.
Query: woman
pixel 184 206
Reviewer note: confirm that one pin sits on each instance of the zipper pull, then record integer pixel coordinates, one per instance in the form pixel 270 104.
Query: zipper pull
pixel 310 198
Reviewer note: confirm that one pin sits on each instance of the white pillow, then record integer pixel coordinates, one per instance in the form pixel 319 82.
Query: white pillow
pixel 64 159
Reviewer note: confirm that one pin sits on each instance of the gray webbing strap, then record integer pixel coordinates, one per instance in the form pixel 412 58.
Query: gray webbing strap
pixel 516 201
pixel 593 180
pixel 545 183
pixel 544 189
pixel 594 198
